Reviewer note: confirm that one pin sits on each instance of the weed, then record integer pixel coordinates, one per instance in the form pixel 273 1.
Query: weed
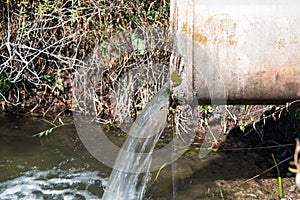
pixel 176 79
pixel 43 40
pixel 49 130
pixel 205 109
pixel 279 178
pixel 58 81
pixel 296 163
pixel 4 84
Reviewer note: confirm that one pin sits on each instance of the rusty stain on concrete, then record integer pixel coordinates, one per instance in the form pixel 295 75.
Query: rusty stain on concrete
pixel 209 19
pixel 198 37
pixel 200 34
pixel 184 27
pixel 231 42
pixel 280 82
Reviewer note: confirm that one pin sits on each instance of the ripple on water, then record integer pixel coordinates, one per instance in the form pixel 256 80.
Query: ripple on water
pixel 35 184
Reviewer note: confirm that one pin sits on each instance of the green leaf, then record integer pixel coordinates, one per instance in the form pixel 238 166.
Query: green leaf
pixel 49 130
pixel 48 78
pixel 138 44
pixel 295 171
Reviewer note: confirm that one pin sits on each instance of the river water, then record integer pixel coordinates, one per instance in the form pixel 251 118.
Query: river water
pixel 51 167
pixel 58 166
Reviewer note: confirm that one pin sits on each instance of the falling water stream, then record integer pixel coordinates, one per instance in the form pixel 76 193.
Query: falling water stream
pixel 131 171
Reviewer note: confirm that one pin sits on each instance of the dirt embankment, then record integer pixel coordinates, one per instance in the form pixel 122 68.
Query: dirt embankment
pixel 43 43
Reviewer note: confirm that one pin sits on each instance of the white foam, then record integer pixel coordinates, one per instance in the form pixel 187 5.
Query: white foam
pixel 52 184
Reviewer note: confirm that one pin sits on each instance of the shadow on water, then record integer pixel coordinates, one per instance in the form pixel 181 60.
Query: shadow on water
pixel 203 178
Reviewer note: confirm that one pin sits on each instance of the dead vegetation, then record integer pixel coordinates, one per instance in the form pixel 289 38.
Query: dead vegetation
pixel 43 43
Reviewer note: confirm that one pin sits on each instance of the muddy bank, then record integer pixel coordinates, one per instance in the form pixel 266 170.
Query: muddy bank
pixel 222 176
pixel 241 168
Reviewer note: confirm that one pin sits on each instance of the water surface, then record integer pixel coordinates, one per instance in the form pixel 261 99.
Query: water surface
pixel 59 167
pixel 51 167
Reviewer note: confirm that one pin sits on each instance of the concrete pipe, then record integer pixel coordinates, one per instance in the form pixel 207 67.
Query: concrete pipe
pixel 236 51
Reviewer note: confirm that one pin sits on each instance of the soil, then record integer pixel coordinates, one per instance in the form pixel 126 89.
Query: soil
pixel 243 167
pixel 223 176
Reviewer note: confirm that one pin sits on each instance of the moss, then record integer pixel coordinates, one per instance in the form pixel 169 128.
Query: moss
pixel 192 153
pixel 175 78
